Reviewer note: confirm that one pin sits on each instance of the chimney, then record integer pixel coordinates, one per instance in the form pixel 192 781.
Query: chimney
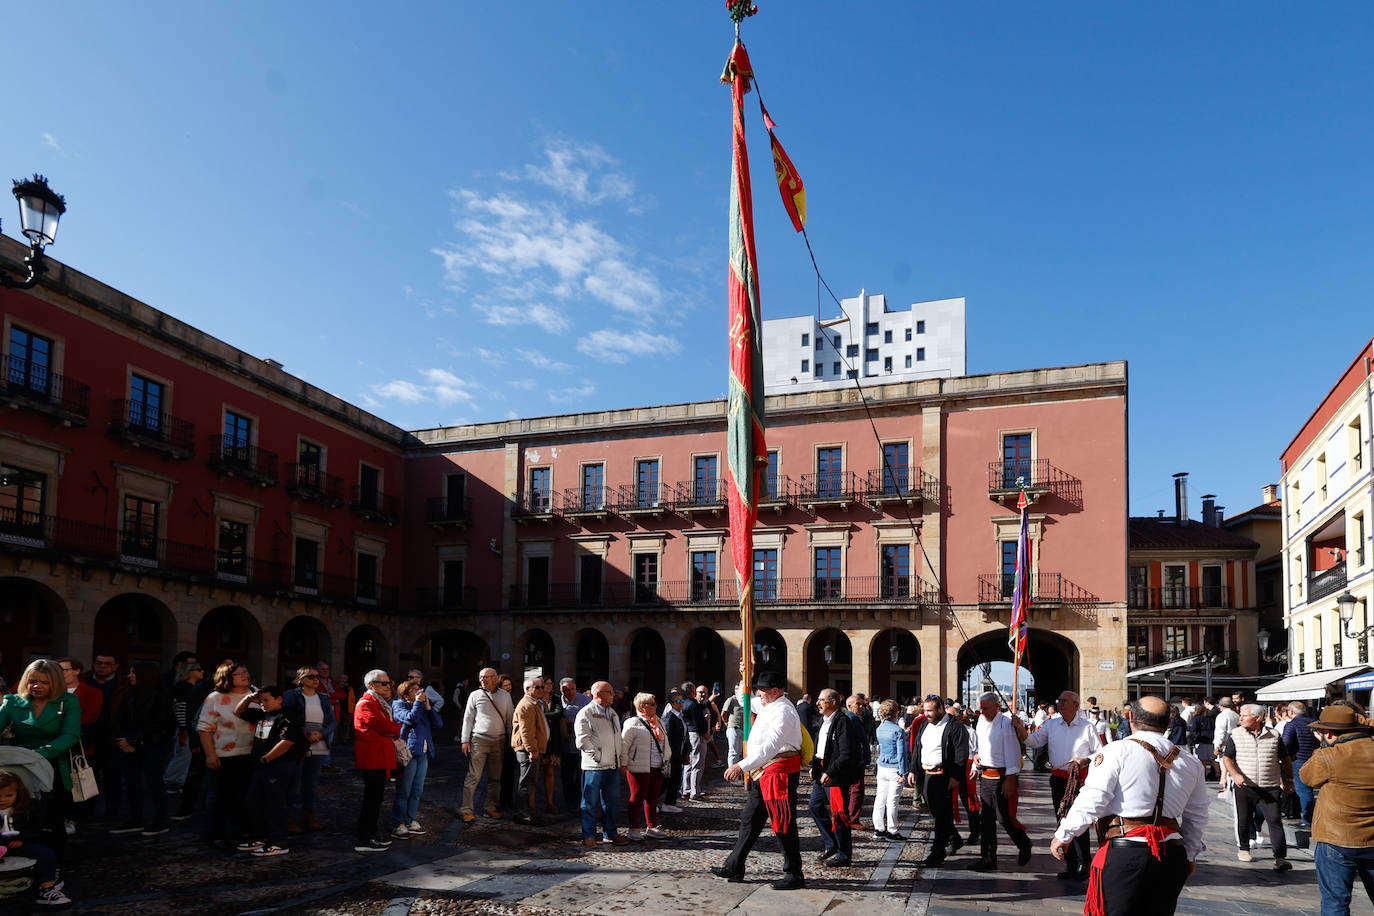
pixel 1209 510
pixel 1220 514
pixel 1181 498
pixel 1161 513
pixel 1270 492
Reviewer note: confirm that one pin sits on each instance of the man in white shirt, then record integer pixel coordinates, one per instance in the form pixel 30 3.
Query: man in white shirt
pixel 773 757
pixel 1071 743
pixel 1154 836
pixel 997 764
pixel 486 729
pixel 941 754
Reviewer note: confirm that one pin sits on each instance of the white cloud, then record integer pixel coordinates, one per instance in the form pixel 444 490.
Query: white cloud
pixel 524 384
pixel 490 356
pixel 615 346
pixel 623 287
pixel 506 314
pixel 51 143
pixel 539 361
pixel 568 395
pixel 569 167
pixel 441 387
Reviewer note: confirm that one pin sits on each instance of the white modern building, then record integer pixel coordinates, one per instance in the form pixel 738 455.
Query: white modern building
pixel 1328 502
pixel 868 340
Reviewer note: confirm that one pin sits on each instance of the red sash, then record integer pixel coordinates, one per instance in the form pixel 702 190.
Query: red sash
pixel 1153 833
pixel 773 786
pixel 839 807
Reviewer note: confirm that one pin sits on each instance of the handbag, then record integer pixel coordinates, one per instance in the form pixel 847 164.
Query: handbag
pixel 403 754
pixel 84 786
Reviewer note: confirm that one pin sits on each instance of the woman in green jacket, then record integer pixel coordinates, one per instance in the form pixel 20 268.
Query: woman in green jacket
pixel 42 716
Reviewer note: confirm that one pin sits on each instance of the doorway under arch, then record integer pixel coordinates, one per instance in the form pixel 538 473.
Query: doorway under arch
pixel 706 659
pixel 1051 658
pixel 229 631
pixel 829 662
pixel 593 658
pixel 364 650
pixel 458 655
pixel 770 651
pixel 647 665
pixel 303 641
pixel 540 653
pixel 894 663
pixel 135 627
pixel 35 624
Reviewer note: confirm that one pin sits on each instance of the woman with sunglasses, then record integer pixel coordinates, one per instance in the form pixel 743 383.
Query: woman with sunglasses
pixel 227 742
pixel 307 704
pixel 375 731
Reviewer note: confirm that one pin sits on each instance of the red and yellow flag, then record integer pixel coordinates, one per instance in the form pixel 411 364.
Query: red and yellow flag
pixel 746 450
pixel 789 182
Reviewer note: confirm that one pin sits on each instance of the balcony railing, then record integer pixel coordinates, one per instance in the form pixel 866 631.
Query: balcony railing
pixel 439 599
pixel 1326 582
pixel 229 456
pixel 29 384
pixel 829 487
pixel 647 498
pixel 1180 597
pixel 440 510
pixel 700 495
pixel 538 503
pixel 899 483
pixel 374 505
pixel 135 422
pixel 588 500
pixel 723 592
pixel 1038 476
pixel 778 491
pixel 994 588
pixel 306 481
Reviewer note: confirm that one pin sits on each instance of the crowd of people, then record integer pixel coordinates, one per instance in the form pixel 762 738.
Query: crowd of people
pixel 250 759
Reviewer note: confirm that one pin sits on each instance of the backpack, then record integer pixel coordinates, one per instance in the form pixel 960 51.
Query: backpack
pixel 808 748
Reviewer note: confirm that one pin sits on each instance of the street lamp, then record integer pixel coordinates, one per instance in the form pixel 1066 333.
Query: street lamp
pixel 1346 605
pixel 1281 655
pixel 893 653
pixel 40 208
pixel 764 652
pixel 828 653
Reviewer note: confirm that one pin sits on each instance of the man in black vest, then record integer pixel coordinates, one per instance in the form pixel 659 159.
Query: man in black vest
pixel 837 764
pixel 939 754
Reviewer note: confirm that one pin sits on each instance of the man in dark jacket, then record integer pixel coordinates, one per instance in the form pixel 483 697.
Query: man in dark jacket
pixel 856 707
pixel 1300 741
pixel 939 754
pixel 806 711
pixel 837 764
pixel 676 733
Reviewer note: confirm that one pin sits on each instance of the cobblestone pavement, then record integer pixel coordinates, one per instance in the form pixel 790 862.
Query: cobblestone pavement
pixel 494 867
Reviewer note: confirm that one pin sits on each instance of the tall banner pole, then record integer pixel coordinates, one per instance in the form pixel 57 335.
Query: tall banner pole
pixel 747 450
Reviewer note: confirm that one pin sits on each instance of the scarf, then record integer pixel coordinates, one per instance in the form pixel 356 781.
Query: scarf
pixel 655 726
pixel 386 707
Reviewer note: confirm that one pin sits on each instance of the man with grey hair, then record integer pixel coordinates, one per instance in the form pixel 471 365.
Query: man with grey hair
pixel 1300 742
pixel 529 739
pixel 571 703
pixel 486 729
pixel 597 730
pixel 1261 771
pixel 997 764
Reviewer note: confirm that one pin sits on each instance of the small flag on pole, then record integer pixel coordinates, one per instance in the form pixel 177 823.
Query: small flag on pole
pixel 1021 591
pixel 789 182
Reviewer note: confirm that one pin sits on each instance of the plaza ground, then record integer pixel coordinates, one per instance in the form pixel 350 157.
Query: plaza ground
pixel 496 868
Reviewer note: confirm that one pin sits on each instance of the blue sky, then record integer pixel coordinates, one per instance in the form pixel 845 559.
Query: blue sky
pixel 458 212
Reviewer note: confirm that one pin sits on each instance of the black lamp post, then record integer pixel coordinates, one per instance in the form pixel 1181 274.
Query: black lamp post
pixel 1346 605
pixel 893 654
pixel 40 208
pixel 1281 655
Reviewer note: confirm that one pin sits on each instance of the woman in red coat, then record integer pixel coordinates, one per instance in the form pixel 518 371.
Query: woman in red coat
pixel 374 753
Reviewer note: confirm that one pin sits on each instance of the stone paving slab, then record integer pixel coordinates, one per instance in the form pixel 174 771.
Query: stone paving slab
pixel 580 892
pixel 527 880
pixel 675 895
pixel 455 872
pixel 768 902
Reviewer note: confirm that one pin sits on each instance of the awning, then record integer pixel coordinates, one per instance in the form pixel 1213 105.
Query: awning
pixel 1195 661
pixel 1363 682
pixel 1307 686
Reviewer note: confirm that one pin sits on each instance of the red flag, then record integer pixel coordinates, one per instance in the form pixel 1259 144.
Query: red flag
pixel 789 182
pixel 747 452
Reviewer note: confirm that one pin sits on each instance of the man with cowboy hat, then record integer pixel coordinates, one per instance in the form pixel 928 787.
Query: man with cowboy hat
pixel 1343 826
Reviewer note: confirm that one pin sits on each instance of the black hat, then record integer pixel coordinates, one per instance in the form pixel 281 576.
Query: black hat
pixel 765 680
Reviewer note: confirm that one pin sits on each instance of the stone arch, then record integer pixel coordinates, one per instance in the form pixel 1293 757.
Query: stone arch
pixel 648 664
pixel 706 658
pixel 366 648
pixel 35 623
pixel 303 641
pixel 900 680
pixel 1051 658
pixel 134 627
pixel 540 652
pixel 593 658
pixel 457 655
pixel 836 671
pixel 230 631
pixel 770 643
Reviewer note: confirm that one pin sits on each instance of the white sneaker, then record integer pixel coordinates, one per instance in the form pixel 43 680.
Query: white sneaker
pixel 656 833
pixel 51 896
pixel 1260 840
pixel 670 809
pixel 401 832
pixel 70 827
pixel 1244 855
pixel 636 835
pixel 416 828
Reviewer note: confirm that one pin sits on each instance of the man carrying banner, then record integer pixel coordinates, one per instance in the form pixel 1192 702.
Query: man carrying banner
pixel 773 761
pixel 1071 744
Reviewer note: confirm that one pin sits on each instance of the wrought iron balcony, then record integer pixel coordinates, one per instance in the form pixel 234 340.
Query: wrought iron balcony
pixel 1317 658
pixel 248 462
pixel 439 599
pixel 29 531
pixel 706 496
pixel 538 505
pixel 35 387
pixel 1039 477
pixel 1171 597
pixel 440 510
pixel 1326 582
pixel 644 499
pixel 305 480
pixel 374 505
pixel 836 488
pixel 138 424
pixel 595 501
pixel 997 588
pixel 779 491
pixel 900 484
pixel 722 591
